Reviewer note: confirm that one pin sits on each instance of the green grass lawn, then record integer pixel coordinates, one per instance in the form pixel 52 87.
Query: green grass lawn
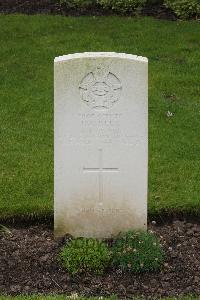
pixel 28 47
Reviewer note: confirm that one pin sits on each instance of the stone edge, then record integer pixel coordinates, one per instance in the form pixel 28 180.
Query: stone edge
pixel 98 55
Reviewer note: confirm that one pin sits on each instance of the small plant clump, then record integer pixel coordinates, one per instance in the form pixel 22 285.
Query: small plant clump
pixel 121 6
pixel 85 255
pixel 137 252
pixel 184 9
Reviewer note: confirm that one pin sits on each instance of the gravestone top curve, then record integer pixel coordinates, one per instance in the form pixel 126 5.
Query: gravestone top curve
pixel 100 54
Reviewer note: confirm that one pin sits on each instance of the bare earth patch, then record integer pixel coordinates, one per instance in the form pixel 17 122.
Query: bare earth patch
pixel 29 264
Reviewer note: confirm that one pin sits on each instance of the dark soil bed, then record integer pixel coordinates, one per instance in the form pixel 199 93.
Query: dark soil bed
pixel 28 264
pixel 54 7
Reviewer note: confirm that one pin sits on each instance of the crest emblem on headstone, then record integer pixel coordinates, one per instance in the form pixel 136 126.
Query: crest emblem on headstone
pixel 100 89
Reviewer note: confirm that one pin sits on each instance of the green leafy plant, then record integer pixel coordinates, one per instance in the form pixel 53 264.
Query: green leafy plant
pixel 5 229
pixel 85 255
pixel 184 8
pixel 123 6
pixel 137 252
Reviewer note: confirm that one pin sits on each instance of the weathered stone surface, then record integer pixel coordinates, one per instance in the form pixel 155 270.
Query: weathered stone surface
pixel 101 155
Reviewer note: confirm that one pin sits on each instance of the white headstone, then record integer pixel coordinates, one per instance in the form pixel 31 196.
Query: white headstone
pixel 101 144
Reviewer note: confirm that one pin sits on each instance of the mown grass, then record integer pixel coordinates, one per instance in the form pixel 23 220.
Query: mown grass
pixel 28 47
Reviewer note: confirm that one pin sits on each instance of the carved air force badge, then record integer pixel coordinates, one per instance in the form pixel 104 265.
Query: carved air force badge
pixel 100 89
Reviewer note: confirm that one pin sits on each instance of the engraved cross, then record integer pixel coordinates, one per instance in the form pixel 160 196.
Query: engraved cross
pixel 100 170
